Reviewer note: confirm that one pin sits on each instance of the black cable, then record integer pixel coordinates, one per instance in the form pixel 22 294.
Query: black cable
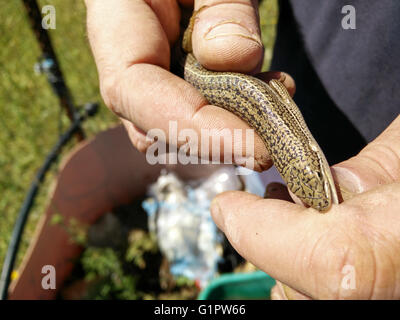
pixel 90 110
pixel 49 63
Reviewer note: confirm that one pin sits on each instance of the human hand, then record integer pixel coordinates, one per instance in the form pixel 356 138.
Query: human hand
pixel 131 41
pixel 314 254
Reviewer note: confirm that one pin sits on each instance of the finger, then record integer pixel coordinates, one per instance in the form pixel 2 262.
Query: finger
pixel 307 251
pixel 168 14
pixel 186 3
pixel 148 95
pixel 378 163
pixel 277 236
pixel 137 136
pixel 226 35
pixel 132 53
pixel 189 110
pixel 283 77
pixel 124 32
pixel 287 293
pixel 277 293
pixel 276 190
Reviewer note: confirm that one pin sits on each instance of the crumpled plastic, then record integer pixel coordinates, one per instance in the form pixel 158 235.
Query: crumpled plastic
pixel 179 215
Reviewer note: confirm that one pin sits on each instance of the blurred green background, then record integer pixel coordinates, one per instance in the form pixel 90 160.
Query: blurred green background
pixel 30 117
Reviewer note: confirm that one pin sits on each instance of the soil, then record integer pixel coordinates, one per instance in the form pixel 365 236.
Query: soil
pixel 125 232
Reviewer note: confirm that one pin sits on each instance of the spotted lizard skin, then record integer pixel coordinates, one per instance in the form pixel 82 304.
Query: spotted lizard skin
pixel 271 112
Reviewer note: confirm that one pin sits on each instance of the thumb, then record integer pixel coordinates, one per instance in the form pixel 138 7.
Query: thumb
pixel 271 234
pixel 226 36
pixel 377 164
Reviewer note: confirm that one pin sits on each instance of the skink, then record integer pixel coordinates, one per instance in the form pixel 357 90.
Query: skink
pixel 270 111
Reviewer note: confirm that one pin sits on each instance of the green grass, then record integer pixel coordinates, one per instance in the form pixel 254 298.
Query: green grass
pixel 268 21
pixel 29 111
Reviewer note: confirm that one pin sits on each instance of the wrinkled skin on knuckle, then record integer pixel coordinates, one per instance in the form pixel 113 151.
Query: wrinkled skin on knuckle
pixel 331 254
pixel 385 158
pixel 386 278
pixel 109 93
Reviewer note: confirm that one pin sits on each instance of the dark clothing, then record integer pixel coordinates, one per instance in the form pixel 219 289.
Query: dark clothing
pixel 348 82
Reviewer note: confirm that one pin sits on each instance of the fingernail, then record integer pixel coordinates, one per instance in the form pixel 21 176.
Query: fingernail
pixel 282 77
pixel 231 28
pixel 348 179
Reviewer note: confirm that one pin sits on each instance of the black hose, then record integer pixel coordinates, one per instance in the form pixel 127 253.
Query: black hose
pixel 90 110
pixel 53 71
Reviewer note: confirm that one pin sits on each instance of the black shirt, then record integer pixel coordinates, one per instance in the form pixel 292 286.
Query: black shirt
pixel 348 80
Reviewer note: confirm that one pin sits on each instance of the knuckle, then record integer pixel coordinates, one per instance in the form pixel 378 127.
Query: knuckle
pixel 344 264
pixel 110 93
pixel 138 140
pixel 328 258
